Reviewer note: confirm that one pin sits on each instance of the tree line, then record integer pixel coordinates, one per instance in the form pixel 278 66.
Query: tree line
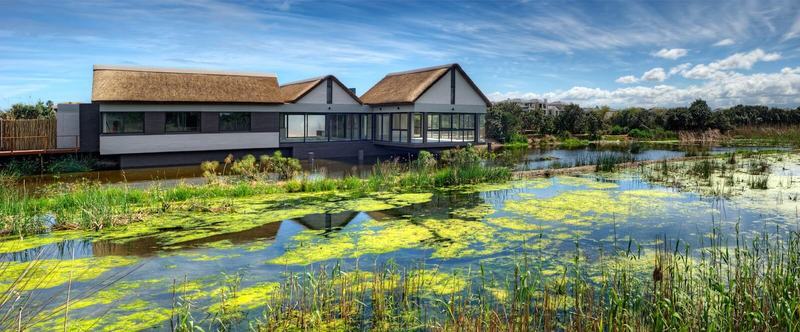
pixel 507 121
pixel 40 110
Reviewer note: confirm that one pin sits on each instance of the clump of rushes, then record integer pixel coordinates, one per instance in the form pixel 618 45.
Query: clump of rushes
pixel 751 286
pixel 93 206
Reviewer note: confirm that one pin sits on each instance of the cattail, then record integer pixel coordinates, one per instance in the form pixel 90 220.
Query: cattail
pixel 657 274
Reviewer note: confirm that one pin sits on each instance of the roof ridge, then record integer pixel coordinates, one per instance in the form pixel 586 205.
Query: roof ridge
pixel 307 80
pixel 420 70
pixel 181 71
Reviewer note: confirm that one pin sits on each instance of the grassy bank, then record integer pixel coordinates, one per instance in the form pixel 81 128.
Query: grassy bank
pixel 92 206
pixel 772 135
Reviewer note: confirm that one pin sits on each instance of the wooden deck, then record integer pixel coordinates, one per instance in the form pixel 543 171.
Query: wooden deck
pixel 36 152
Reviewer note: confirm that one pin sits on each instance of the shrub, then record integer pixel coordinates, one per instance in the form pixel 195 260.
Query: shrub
pixel 246 167
pixel 460 157
pixel 425 161
pixel 71 164
pixel 573 143
pixel 286 168
pixel 23 166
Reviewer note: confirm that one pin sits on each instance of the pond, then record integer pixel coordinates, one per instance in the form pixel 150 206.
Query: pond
pixel 542 158
pixel 128 274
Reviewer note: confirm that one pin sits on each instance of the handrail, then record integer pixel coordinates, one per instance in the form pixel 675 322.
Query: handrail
pixel 44 146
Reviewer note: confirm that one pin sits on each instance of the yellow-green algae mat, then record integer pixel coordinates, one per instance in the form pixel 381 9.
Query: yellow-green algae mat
pixel 184 222
pixel 478 231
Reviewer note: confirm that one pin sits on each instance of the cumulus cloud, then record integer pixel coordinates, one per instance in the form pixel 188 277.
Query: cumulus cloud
pixel 744 60
pixel 782 87
pixel 679 68
pixel 655 74
pixel 628 79
pixel 725 42
pixel 672 53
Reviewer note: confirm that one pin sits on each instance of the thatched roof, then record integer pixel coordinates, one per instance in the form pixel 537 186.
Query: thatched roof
pixel 292 92
pixel 406 87
pixel 137 84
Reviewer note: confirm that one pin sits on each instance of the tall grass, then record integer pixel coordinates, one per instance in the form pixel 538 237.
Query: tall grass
pixel 92 206
pixel 728 284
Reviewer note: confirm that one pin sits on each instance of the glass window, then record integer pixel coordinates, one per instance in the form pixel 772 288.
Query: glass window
pixel 482 128
pixel 315 130
pixel 416 129
pixel 123 123
pixel 352 126
pixel 236 121
pixel 444 121
pixel 433 121
pixel 366 126
pixel 384 127
pixel 468 121
pixel 338 127
pixel 451 127
pixel 293 127
pixel 400 127
pixel 182 122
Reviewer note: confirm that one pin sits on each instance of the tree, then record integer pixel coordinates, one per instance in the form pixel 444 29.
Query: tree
pixel 39 110
pixel 569 120
pixel 699 115
pixel 504 120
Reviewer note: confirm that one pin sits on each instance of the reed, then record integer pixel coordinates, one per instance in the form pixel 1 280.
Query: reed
pixel 92 206
pixel 727 283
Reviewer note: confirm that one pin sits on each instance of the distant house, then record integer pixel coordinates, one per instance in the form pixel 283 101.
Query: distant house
pixel 159 116
pixel 549 108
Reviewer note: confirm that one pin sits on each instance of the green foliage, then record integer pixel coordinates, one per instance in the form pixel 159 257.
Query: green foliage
pixel 425 161
pixel 71 164
pixel 285 167
pixel 23 166
pixel 460 157
pixel 40 110
pixel 573 143
pixel 246 167
pixel 503 120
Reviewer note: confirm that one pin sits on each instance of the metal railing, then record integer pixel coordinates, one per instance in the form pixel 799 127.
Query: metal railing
pixel 39 144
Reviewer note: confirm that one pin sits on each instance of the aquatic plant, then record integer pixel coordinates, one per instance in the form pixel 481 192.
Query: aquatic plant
pixel 573 143
pixel 71 164
pixel 749 285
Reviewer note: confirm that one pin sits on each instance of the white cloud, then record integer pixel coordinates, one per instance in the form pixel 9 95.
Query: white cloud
pixel 672 54
pixel 655 74
pixel 725 42
pixel 794 30
pixel 735 61
pixel 679 68
pixel 628 79
pixel 781 87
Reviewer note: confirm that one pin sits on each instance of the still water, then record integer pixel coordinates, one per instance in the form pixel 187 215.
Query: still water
pixel 261 239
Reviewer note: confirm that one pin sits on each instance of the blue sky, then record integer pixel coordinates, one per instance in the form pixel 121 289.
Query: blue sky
pixel 661 53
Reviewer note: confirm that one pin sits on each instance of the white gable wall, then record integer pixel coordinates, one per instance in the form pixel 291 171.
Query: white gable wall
pixel 439 92
pixel 465 94
pixel 340 96
pixel 317 95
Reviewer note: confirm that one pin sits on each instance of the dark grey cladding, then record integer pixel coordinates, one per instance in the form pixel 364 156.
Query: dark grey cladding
pixel 154 123
pixel 89 115
pixel 264 122
pixel 209 122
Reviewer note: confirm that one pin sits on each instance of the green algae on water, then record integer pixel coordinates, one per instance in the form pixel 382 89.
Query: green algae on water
pixel 48 273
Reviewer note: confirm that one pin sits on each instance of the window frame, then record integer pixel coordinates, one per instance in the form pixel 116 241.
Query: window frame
pixel 249 117
pixel 103 124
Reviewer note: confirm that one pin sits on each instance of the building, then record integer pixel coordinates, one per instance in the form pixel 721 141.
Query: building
pixel 549 108
pixel 157 117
